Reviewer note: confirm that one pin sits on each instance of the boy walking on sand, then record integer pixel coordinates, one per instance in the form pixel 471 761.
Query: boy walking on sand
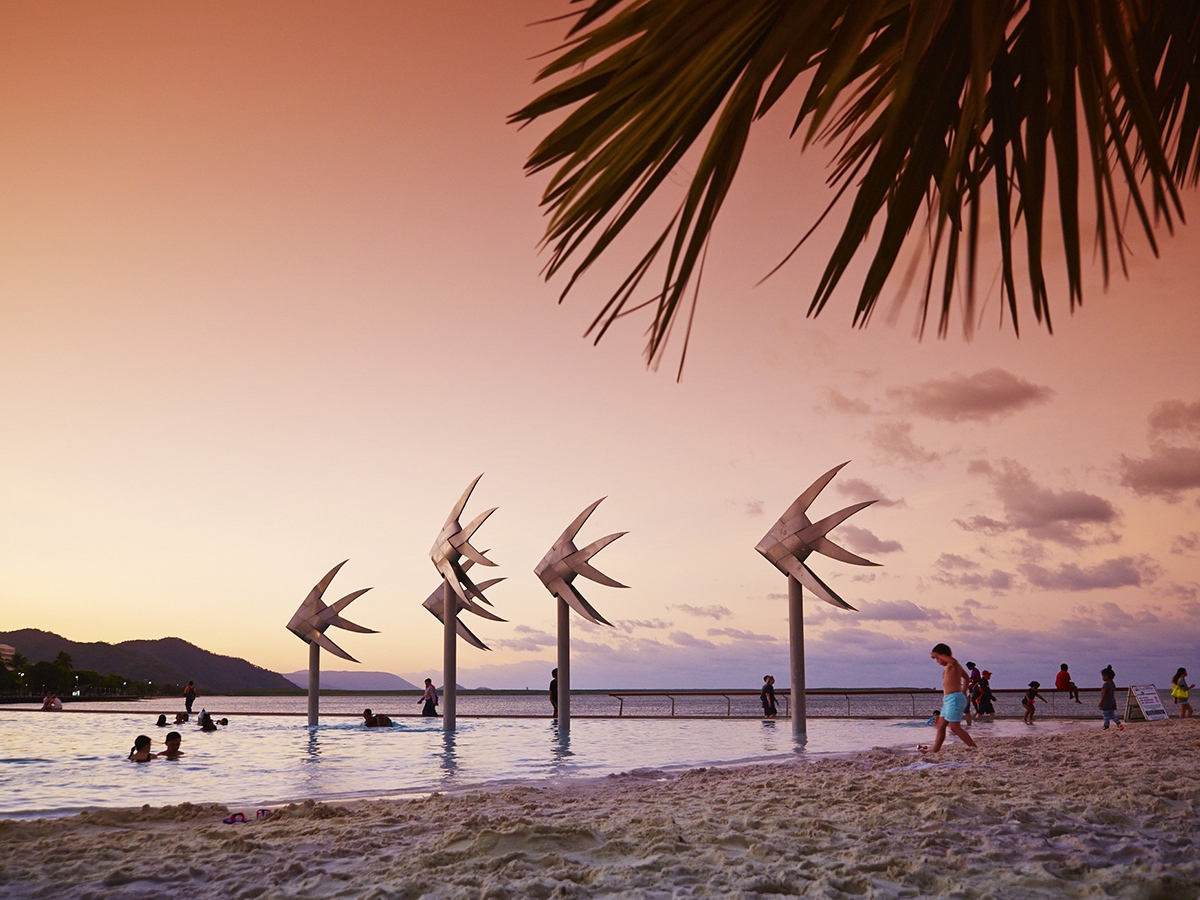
pixel 955 684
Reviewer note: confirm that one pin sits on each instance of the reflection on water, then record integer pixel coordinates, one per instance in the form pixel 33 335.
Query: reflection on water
pixel 312 748
pixel 449 753
pixel 560 743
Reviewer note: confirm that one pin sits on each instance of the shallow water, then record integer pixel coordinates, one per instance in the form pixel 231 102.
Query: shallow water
pixel 56 763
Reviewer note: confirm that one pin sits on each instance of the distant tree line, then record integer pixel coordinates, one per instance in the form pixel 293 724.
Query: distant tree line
pixel 61 677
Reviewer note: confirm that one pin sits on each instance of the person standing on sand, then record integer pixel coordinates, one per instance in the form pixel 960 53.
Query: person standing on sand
pixel 1108 698
pixel 1181 690
pixel 189 697
pixel 955 683
pixel 972 692
pixel 767 696
pixel 1029 701
pixel 987 700
pixel 1063 682
pixel 554 692
pixel 429 699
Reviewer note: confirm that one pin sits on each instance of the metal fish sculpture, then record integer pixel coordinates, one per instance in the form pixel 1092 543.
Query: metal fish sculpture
pixel 452 544
pixel 314 617
pixel 794 537
pixel 436 604
pixel 564 561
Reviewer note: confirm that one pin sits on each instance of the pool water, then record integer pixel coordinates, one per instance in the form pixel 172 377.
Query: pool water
pixel 58 763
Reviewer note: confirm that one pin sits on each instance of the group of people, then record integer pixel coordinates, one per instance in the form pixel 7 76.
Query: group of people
pixel 141 752
pixel 428 704
pixel 964 687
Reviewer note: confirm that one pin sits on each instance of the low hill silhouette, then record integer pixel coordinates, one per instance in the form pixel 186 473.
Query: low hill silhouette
pixel 353 680
pixel 168 660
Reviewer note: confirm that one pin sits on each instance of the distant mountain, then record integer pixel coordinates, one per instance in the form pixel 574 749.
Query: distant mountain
pixel 354 681
pixel 164 661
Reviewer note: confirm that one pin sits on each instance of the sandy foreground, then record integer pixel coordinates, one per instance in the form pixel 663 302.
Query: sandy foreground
pixel 1087 814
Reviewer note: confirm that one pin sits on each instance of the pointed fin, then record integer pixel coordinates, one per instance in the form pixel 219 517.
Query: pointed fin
pixel 573 528
pixel 322 641
pixel 577 602
pixel 462 501
pixel 802 503
pixel 828 548
pixel 809 579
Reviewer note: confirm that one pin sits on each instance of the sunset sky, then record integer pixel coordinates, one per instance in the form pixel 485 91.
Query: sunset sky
pixel 271 294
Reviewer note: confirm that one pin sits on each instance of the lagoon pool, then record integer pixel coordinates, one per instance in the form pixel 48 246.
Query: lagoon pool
pixel 60 763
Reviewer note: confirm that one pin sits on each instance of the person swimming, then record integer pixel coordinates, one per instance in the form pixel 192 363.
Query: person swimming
pixel 140 751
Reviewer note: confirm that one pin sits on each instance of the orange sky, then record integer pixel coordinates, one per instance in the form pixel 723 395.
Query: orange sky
pixel 271 299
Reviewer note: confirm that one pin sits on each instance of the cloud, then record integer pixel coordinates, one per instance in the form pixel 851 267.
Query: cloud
pixel 858 490
pixel 709 612
pixel 530 640
pixel 1072 518
pixel 1186 544
pixel 1173 465
pixel 628 625
pixel 684 639
pixel 898 611
pixel 1174 417
pixel 1122 571
pixel 1167 472
pixel 982 397
pixel 863 542
pixel 1144 646
pixel 839 402
pixel 739 634
pixel 894 441
pixel 754 508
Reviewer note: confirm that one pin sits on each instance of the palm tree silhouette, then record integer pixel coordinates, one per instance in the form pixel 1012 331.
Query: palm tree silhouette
pixel 936 109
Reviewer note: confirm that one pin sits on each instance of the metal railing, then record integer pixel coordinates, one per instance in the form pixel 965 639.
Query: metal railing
pixel 1058 705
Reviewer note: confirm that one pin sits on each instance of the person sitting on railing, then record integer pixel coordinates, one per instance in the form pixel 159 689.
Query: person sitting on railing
pixel 1063 682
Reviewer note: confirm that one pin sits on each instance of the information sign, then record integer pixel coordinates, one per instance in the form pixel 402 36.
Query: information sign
pixel 1144 703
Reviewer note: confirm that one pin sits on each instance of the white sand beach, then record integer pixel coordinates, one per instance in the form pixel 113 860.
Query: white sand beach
pixel 1086 814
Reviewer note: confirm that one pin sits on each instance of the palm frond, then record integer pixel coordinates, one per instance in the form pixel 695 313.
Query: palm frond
pixel 927 101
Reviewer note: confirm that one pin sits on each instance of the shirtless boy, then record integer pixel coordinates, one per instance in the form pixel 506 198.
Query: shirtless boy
pixel 955 684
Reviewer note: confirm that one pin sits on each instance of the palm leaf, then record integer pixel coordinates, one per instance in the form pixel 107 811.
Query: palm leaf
pixel 927 101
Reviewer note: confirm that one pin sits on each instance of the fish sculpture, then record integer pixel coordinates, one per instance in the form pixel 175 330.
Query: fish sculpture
pixel 564 561
pixel 452 544
pixel 794 537
pixel 436 604
pixel 314 617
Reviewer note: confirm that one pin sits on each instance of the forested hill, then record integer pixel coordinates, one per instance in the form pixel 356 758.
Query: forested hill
pixel 164 661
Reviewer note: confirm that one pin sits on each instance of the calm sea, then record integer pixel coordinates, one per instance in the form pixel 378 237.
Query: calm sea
pixel 58 763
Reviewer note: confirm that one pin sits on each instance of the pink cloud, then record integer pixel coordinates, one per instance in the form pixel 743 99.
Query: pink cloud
pixel 987 395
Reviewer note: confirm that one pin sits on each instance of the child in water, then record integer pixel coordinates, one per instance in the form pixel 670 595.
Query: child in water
pixel 140 751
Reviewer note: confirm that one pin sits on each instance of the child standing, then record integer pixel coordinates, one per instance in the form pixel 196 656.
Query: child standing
pixel 1108 698
pixel 1028 701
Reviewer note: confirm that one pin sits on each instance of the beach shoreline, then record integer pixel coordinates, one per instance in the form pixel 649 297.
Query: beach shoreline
pixel 1081 814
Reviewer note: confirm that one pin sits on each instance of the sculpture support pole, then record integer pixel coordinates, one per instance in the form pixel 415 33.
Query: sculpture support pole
pixel 449 656
pixel 796 641
pixel 314 683
pixel 564 665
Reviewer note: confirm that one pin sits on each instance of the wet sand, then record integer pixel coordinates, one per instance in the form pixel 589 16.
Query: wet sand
pixel 1085 814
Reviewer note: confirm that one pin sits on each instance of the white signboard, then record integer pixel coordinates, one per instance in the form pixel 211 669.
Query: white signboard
pixel 1144 703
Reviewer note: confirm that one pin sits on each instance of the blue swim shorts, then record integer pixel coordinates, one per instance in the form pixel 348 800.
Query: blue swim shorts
pixel 953 706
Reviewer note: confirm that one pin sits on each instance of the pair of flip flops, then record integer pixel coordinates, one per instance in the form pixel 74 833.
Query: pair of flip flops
pixel 237 817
